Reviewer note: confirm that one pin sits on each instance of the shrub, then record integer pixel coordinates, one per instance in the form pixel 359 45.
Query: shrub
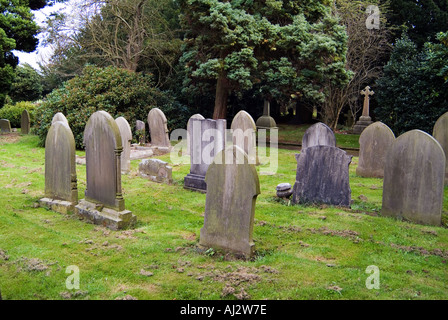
pixel 13 112
pixel 117 91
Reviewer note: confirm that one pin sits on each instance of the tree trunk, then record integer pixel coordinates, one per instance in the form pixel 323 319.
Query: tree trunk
pixel 222 93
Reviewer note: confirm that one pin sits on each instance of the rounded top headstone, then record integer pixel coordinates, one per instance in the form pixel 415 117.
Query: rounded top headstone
pixel 318 134
pixel 59 117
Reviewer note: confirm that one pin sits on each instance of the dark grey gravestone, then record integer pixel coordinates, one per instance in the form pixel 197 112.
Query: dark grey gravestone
pixel 318 134
pixel 414 179
pixel 25 122
pixel 322 176
pixel 5 126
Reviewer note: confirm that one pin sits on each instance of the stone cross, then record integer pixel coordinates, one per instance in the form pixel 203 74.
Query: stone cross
pixel 366 93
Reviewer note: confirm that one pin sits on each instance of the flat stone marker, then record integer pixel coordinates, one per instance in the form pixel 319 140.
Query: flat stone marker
pixel 158 128
pixel 61 192
pixel 140 129
pixel 322 176
pixel 414 178
pixel 374 142
pixel 208 137
pixel 156 170
pixel 5 126
pixel 195 116
pixel 319 134
pixel 59 117
pixel 104 203
pixel 244 134
pixel 25 122
pixel 440 133
pixel 232 189
pixel 126 139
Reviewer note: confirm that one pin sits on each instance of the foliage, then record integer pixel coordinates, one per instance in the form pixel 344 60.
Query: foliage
pixel 117 91
pixel 13 112
pixel 27 84
pixel 413 92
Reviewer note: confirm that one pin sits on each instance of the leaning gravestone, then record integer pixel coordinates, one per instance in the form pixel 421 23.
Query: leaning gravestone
pixel 208 137
pixel 61 192
pixel 195 116
pixel 140 131
pixel 413 179
pixel 126 139
pixel 25 122
pixel 158 128
pixel 318 134
pixel 59 117
pixel 440 133
pixel 5 126
pixel 244 134
pixel 104 203
pixel 322 176
pixel 374 142
pixel 232 189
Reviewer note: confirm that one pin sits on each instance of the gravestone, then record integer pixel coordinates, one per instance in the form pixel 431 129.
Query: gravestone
pixel 208 137
pixel 244 134
pixel 158 129
pixel 59 117
pixel 232 189
pixel 25 122
pixel 195 116
pixel 414 179
pixel 364 120
pixel 440 133
pixel 156 170
pixel 126 139
pixel 61 192
pixel 322 176
pixel 104 203
pixel 374 142
pixel 140 130
pixel 266 121
pixel 5 126
pixel 319 134
pixel 284 190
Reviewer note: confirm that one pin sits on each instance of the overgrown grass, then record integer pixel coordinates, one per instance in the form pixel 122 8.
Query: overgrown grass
pixel 302 252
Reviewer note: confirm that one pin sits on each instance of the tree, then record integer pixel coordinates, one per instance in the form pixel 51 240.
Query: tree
pixel 280 48
pixel 26 85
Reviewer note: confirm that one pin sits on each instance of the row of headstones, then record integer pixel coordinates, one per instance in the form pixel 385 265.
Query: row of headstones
pixel 5 125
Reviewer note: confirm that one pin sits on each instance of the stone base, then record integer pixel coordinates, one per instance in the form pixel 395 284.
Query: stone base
pixel 195 182
pixel 60 206
pixel 109 218
pixel 361 124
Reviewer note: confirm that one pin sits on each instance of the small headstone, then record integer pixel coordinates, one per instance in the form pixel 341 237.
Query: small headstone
pixel 440 133
pixel 208 137
pixel 156 170
pixel 319 134
pixel 25 122
pixel 104 203
pixel 266 121
pixel 322 176
pixel 158 128
pixel 195 116
pixel 244 134
pixel 365 120
pixel 59 117
pixel 5 126
pixel 284 190
pixel 126 139
pixel 140 130
pixel 61 192
pixel 414 179
pixel 374 142
pixel 232 189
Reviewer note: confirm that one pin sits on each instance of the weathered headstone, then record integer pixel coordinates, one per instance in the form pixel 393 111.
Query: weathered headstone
pixel 208 137
pixel 244 134
pixel 322 176
pixel 266 121
pixel 158 128
pixel 126 139
pixel 365 120
pixel 104 203
pixel 232 189
pixel 414 178
pixel 374 142
pixel 61 192
pixel 440 133
pixel 25 122
pixel 319 134
pixel 59 117
pixel 195 116
pixel 140 130
pixel 156 170
pixel 5 126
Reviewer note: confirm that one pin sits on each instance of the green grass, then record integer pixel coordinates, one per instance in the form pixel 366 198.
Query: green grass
pixel 302 252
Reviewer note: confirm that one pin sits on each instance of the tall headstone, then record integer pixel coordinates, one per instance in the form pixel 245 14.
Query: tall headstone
pixel 365 120
pixel 5 126
pixel 440 133
pixel 140 130
pixel 61 192
pixel 59 117
pixel 322 176
pixel 208 137
pixel 158 128
pixel 244 134
pixel 266 121
pixel 195 116
pixel 374 142
pixel 319 134
pixel 104 203
pixel 25 122
pixel 414 178
pixel 232 189
pixel 126 139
